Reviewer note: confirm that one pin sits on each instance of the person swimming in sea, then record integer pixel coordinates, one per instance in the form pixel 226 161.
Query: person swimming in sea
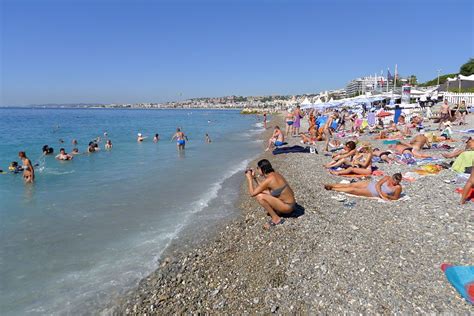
pixel 47 150
pixel 28 170
pixel 74 142
pixel 273 192
pixel 108 144
pixel 63 155
pixel 140 137
pixel 180 139
pixel 208 139
pixel 156 138
pixel 14 167
pixel 92 148
pixel 75 151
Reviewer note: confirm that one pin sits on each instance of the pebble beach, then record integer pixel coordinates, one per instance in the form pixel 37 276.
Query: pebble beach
pixel 344 255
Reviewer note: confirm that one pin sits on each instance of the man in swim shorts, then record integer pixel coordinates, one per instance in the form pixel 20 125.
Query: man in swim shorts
pixel 445 114
pixel 180 139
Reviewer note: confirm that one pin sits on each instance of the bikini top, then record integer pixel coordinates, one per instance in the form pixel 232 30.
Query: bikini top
pixel 277 192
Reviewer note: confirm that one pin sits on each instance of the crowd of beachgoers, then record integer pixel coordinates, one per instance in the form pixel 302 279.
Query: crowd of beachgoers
pixel 346 137
pixel 372 242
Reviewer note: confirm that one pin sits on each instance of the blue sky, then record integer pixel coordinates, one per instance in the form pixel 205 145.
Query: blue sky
pixel 68 51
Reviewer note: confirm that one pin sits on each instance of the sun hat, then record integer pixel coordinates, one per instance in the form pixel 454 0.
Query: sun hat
pixel 139 134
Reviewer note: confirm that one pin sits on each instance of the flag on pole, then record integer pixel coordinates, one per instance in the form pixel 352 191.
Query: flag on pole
pixel 389 75
pixel 396 77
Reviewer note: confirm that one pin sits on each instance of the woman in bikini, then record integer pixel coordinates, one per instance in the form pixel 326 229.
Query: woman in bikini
pixel 361 164
pixel 273 192
pixel 385 156
pixel 344 158
pixel 28 170
pixel 387 188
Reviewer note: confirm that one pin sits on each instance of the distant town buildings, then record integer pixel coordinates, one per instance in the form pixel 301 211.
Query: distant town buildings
pixel 367 84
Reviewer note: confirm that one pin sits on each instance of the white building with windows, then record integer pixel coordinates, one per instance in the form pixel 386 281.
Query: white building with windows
pixel 365 84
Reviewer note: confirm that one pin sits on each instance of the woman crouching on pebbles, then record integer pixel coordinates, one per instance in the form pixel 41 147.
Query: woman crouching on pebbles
pixel 273 193
pixel 387 188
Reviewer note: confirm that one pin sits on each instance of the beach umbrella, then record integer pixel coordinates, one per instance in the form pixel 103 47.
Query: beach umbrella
pixel 384 114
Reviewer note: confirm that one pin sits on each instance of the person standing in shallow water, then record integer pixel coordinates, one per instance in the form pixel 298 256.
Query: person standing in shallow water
pixel 28 170
pixel 273 193
pixel 180 139
pixel 208 139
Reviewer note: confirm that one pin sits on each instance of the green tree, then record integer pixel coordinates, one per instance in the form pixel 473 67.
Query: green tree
pixel 468 68
pixel 413 80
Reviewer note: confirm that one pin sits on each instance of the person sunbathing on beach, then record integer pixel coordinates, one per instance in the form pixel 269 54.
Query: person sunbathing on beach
pixel 447 132
pixel 343 158
pixel 416 145
pixel 387 188
pixel 361 164
pixel 277 138
pixel 380 124
pixel 467 187
pixel 63 155
pixel 457 152
pixel 385 156
pixel 273 192
pixel 392 127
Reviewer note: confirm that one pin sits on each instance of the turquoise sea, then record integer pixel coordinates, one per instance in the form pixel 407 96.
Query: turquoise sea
pixel 91 228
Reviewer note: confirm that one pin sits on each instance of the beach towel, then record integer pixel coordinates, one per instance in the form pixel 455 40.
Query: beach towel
pixel 375 173
pixel 403 197
pixel 291 149
pixel 462 279
pixel 428 170
pixel 470 131
pixel 390 141
pixel 470 196
pixel 354 175
pixel 463 161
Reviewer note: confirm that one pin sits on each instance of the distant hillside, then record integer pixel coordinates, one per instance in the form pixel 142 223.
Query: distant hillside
pixel 466 69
